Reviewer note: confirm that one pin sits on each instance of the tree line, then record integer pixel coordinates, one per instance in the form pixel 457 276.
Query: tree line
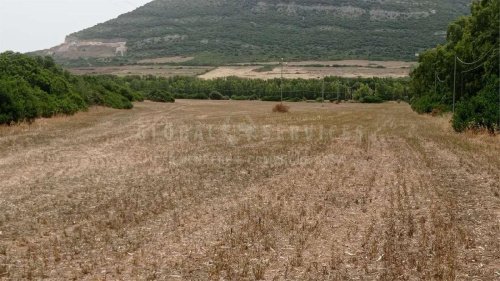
pixel 329 88
pixel 463 75
pixel 33 86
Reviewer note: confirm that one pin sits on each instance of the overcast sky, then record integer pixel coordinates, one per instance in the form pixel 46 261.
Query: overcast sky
pixel 30 25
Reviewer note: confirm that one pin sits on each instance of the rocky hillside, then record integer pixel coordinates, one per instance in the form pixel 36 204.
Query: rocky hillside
pixel 215 31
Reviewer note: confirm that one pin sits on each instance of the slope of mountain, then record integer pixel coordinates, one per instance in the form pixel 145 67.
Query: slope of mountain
pixel 215 31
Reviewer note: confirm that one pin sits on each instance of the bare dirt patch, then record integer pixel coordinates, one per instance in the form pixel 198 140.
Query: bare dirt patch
pixel 220 190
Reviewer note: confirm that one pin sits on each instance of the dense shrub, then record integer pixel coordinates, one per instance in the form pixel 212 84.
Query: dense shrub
pixel 271 98
pixel 198 96
pixel 214 95
pixel 269 90
pixel 362 92
pixel 294 99
pixel 481 111
pixel 236 97
pixel 32 87
pixel 423 104
pixel 160 95
pixel 371 99
pixel 474 39
pixel 108 91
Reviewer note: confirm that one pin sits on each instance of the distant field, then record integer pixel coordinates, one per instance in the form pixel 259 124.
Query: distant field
pixel 315 69
pixel 156 70
pixel 304 69
pixel 178 59
pixel 227 190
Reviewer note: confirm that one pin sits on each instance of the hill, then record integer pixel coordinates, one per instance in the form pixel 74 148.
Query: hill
pixel 218 31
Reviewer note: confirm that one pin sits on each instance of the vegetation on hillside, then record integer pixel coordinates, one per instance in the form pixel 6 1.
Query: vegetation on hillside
pixel 473 46
pixel 223 31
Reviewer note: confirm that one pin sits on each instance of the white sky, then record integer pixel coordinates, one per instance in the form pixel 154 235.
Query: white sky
pixel 30 25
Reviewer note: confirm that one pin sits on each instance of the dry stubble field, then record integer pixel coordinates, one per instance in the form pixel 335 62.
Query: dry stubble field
pixel 205 190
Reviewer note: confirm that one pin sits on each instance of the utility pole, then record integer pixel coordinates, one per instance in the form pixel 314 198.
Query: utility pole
pixel 338 92
pixel 323 89
pixel 435 83
pixel 454 83
pixel 281 80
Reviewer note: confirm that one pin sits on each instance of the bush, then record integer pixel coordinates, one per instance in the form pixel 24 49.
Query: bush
pixel 271 98
pixel 479 112
pixel 320 99
pixel 198 96
pixel 423 104
pixel 294 99
pixel 281 108
pixel 235 97
pixel 32 87
pixel 214 95
pixel 371 99
pixel 160 95
pixel 251 97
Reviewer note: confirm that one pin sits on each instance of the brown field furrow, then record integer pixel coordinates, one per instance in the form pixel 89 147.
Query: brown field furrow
pixel 207 190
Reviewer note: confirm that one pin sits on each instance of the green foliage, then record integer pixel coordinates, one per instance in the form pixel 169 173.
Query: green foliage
pixel 473 39
pixel 108 91
pixel 295 99
pixel 271 98
pixel 237 97
pixel 32 87
pixel 195 96
pixel 362 92
pixel 214 95
pixel 481 111
pixel 267 90
pixel 211 31
pixel 423 104
pixel 371 99
pixel 160 95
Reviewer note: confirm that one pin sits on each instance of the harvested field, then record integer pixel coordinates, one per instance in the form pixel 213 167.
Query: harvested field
pixel 177 59
pixel 227 190
pixel 156 70
pixel 315 69
pixel 303 69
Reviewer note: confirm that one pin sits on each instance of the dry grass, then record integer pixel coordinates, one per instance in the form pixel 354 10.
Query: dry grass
pixel 225 190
